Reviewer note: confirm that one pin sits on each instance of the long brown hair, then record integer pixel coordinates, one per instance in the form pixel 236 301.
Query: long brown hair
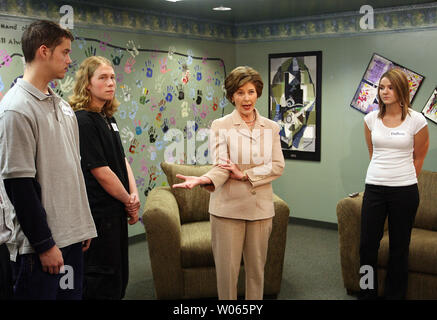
pixel 399 82
pixel 81 98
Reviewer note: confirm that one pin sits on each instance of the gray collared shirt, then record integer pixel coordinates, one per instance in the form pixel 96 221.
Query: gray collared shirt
pixel 39 138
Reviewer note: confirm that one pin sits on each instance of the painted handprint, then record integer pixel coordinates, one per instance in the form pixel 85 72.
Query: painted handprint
pixel 5 59
pixel 133 110
pixel 90 51
pixel 126 135
pixel 133 146
pixel 67 85
pixel 140 181
pixel 126 92
pixel 144 169
pixel 215 103
pixel 164 126
pixel 199 97
pixel 195 110
pixel 169 95
pixel 171 51
pixel 163 65
pixel 190 57
pixel 161 105
pixel 186 77
pixel 134 51
pixel 149 70
pixel 143 98
pixel 152 134
pixel 158 84
pixel 103 44
pixel 223 102
pixel 180 89
pixel 204 112
pixel 158 119
pixel 138 128
pixel 116 57
pixel 152 151
pixel 184 109
pixel 209 93
pixel 81 42
pixel 152 184
pixel 129 64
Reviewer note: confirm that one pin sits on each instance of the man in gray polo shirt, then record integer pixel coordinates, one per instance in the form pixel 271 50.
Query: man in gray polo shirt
pixel 40 167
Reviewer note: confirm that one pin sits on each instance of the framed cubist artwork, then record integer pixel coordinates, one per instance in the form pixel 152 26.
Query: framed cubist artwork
pixel 430 110
pixel 295 86
pixel 366 96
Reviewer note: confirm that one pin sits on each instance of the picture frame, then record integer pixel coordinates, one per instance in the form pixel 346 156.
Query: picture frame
pixel 365 98
pixel 430 109
pixel 295 91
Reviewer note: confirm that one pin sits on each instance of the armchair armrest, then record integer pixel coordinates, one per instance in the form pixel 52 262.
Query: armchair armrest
pixel 163 231
pixel 349 229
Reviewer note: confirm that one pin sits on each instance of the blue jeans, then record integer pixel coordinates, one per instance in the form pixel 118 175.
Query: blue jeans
pixel 32 283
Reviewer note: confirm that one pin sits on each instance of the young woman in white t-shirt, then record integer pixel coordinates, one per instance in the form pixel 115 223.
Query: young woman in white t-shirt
pixel 397 138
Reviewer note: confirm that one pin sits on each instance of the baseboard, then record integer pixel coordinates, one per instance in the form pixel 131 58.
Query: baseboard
pixel 137 238
pixel 313 223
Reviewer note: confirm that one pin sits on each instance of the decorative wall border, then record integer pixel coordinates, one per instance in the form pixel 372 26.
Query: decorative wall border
pixel 396 19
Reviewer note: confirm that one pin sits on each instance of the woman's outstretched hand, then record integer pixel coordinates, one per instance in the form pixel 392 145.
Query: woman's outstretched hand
pixel 190 181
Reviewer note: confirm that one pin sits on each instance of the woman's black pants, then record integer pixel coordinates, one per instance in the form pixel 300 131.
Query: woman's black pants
pixel 399 204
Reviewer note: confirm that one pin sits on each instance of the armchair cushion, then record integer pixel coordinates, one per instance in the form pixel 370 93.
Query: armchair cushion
pixel 423 251
pixel 196 245
pixel 193 204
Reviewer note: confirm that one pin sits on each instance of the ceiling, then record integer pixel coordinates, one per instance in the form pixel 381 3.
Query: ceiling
pixel 250 11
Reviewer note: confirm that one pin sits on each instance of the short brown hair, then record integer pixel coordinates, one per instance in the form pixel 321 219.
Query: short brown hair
pixel 42 32
pixel 239 77
pixel 399 82
pixel 81 98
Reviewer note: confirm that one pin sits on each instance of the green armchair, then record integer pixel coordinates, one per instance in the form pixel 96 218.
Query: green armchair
pixel 179 238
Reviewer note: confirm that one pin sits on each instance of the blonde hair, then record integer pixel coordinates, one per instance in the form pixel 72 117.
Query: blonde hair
pixel 399 82
pixel 239 77
pixel 81 98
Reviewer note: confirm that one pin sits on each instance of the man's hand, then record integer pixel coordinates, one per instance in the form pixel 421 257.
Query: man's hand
pixel 86 245
pixel 51 260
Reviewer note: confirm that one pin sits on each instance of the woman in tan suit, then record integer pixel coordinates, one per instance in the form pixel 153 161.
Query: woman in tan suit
pixel 247 156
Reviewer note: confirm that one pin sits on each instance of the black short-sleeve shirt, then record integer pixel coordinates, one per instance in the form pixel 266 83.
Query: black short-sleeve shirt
pixel 100 145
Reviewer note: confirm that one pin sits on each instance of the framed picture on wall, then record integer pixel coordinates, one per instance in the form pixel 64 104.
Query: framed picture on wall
pixel 366 96
pixel 295 91
pixel 430 109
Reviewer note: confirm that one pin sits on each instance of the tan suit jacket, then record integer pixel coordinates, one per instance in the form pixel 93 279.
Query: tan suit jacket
pixel 257 153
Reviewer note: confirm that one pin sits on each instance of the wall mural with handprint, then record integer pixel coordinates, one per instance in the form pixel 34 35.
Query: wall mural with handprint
pixel 169 98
